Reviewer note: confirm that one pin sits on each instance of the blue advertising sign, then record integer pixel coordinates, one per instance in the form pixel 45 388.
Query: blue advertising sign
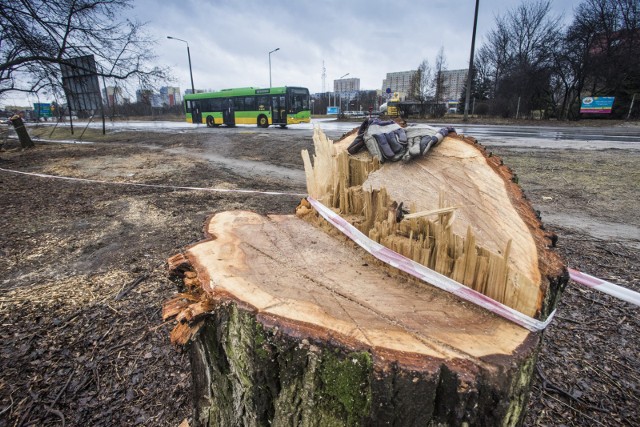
pixel 597 104
pixel 333 110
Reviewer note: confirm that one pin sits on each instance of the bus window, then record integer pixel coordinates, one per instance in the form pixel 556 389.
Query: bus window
pixel 250 103
pixel 262 102
pixel 187 106
pixel 238 103
pixel 215 104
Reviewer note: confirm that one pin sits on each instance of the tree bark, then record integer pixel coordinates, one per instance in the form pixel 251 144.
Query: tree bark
pixel 21 130
pixel 288 322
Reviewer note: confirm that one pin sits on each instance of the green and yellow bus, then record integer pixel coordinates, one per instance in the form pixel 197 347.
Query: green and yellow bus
pixel 252 106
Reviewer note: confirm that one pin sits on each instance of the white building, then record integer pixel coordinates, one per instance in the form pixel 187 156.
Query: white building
pixel 398 82
pixel 346 85
pixel 453 83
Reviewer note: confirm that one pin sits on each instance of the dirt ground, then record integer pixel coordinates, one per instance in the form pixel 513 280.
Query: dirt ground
pixel 83 275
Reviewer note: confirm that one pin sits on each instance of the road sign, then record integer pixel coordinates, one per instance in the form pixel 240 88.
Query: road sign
pixel 42 110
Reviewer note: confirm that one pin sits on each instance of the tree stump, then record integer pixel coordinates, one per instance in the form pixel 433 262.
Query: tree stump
pixel 290 323
pixel 21 130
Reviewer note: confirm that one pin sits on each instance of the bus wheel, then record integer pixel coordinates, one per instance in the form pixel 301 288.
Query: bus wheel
pixel 210 122
pixel 263 122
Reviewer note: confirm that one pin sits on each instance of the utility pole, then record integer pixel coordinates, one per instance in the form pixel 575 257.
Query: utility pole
pixel 470 73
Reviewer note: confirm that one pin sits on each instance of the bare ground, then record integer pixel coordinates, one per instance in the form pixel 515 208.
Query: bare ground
pixel 83 273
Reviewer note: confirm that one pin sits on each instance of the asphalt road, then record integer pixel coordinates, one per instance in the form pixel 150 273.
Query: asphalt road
pixel 560 137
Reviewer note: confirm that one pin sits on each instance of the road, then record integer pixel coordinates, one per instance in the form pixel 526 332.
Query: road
pixel 549 137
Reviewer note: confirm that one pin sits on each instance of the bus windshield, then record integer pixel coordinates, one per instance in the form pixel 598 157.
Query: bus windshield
pixel 299 100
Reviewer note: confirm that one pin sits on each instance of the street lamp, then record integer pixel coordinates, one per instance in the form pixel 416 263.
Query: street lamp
pixel 341 77
pixel 193 89
pixel 274 50
pixel 470 72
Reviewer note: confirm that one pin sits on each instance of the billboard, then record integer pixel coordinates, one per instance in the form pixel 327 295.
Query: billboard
pixel 333 110
pixel 80 83
pixel 597 105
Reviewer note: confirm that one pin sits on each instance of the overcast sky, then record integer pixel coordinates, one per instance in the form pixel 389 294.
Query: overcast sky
pixel 230 40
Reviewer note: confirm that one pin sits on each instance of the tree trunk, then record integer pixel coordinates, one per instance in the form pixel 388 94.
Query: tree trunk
pixel 21 130
pixel 289 323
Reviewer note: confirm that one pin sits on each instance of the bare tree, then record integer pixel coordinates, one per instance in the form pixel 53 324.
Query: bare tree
pixel 420 88
pixel 520 52
pixel 439 85
pixel 494 55
pixel 37 36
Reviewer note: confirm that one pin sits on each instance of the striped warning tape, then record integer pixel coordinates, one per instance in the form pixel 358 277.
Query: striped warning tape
pixel 432 277
pixel 604 286
pixel 446 283
pixel 167 187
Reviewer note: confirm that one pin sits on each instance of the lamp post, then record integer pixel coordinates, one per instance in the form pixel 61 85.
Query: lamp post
pixel 341 77
pixel 193 89
pixel 470 73
pixel 274 50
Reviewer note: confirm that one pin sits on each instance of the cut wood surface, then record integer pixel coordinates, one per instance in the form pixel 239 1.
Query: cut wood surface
pixel 284 267
pixel 489 238
pixel 305 328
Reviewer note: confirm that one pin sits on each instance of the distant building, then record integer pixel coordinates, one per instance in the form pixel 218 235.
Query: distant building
pixel 143 96
pixel 114 95
pixel 346 85
pixel 189 91
pixel 170 96
pixel 453 83
pixel 167 96
pixel 398 82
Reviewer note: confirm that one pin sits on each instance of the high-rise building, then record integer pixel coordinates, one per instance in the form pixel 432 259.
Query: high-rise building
pixel 170 96
pixel 346 85
pixel 453 84
pixel 398 82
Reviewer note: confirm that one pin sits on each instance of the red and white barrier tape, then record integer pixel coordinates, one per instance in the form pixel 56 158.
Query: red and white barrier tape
pixel 395 259
pixel 604 286
pixel 432 277
pixel 167 187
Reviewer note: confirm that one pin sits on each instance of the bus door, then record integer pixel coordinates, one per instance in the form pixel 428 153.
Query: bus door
pixel 278 110
pixel 228 114
pixel 196 112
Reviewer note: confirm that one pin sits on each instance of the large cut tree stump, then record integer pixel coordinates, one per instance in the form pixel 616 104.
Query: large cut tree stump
pixel 290 323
